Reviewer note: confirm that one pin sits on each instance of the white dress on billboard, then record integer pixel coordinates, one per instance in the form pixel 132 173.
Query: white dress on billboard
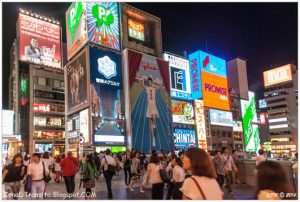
pixel 151 107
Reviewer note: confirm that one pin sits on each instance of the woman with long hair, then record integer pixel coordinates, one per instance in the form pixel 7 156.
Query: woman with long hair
pixel 178 177
pixel 153 168
pixel 127 169
pixel 57 169
pixel 136 172
pixel 272 182
pixel 89 172
pixel 202 184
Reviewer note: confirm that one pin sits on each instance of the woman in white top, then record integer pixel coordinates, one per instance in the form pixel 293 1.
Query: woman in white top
pixel 154 177
pixel 57 169
pixel 136 172
pixel 108 160
pixel 178 177
pixel 48 160
pixel 202 184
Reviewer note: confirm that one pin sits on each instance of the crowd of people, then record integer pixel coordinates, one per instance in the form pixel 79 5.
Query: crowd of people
pixel 192 174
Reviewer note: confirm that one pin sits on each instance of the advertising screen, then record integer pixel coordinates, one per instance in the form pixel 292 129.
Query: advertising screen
pixel 76 27
pixel 212 64
pixel 136 30
pixel 215 91
pixel 84 124
pixel 179 77
pixel 7 122
pixel 24 88
pixel 148 89
pixel 200 124
pixel 103 24
pixel 278 75
pixel 237 126
pixel 195 75
pixel 39 41
pixel 262 103
pixel 38 107
pixel 43 147
pixel 107 96
pixel 184 138
pixel 183 112
pixel 220 118
pixel 76 83
pixel 263 118
pixel 251 132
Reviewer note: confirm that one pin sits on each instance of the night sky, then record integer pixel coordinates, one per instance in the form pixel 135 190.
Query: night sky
pixel 263 33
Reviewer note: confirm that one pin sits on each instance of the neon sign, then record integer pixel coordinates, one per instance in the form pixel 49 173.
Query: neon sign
pixel 107 67
pixel 136 30
pixel 41 107
pixel 200 124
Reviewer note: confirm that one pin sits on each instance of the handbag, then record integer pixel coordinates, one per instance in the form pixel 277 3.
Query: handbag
pixel 164 175
pixel 199 188
pixel 47 178
pixel 28 184
pixel 110 168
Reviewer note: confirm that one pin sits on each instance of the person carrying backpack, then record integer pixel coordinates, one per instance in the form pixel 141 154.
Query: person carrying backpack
pixel 89 173
pixel 109 170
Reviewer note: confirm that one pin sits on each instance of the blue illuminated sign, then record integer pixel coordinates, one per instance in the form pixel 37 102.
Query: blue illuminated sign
pixel 195 75
pixel 212 64
pixel 184 138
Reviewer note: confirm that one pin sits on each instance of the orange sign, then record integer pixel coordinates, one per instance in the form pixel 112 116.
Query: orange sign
pixel 135 25
pixel 215 91
pixel 278 75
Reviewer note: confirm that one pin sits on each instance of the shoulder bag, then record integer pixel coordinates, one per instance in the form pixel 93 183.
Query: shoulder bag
pixel 164 175
pixel 199 188
pixel 47 178
pixel 110 168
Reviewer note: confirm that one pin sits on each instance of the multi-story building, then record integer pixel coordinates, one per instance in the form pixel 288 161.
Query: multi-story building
pixel 281 94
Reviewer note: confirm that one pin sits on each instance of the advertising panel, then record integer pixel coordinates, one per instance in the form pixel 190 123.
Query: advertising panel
pixel 195 75
pixel 39 107
pixel 84 125
pixel 262 103
pixel 184 138
pixel 108 106
pixel 237 126
pixel 212 64
pixel 24 88
pixel 200 124
pixel 136 30
pixel 220 118
pixel 77 79
pixel 103 24
pixel 39 41
pixel 76 27
pixel 7 122
pixel 278 75
pixel 263 118
pixel 183 112
pixel 179 77
pixel 251 132
pixel 215 91
pixel 147 85
pixel 48 121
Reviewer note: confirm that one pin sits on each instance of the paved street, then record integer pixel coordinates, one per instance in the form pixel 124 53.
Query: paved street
pixel 56 191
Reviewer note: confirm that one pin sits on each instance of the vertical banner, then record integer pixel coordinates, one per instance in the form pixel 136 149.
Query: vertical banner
pixel 108 108
pixel 200 124
pixel 195 74
pixel 149 91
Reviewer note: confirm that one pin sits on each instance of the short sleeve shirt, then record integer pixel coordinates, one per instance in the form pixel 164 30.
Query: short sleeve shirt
pixel 14 173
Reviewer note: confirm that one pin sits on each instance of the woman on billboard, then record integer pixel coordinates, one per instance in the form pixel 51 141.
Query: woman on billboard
pixel 152 112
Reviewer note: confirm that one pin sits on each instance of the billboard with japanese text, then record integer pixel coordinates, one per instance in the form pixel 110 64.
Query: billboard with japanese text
pixel 184 138
pixel 220 118
pixel 136 30
pixel 183 112
pixel 195 75
pixel 278 75
pixel 108 108
pixel 39 41
pixel 212 64
pixel 200 124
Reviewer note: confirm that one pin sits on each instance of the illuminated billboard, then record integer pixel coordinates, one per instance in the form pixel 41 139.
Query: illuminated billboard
pixel 183 112
pixel 76 83
pixel 107 96
pixel 212 64
pixel 263 118
pixel 76 27
pixel 278 75
pixel 237 126
pixel 103 24
pixel 215 91
pixel 251 131
pixel 195 75
pixel 220 118
pixel 179 77
pixel 184 138
pixel 84 125
pixel 136 30
pixel 262 103
pixel 200 124
pixel 24 88
pixel 39 41
pixel 7 122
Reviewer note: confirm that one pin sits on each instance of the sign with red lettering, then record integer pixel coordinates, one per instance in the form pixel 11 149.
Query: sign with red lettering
pixel 200 124
pixel 37 107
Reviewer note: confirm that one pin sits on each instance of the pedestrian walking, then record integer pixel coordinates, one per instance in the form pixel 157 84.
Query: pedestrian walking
pixel 136 172
pixel 260 158
pixel 272 182
pixel 219 167
pixel 230 167
pixel 97 161
pixel 117 163
pixel 69 166
pixel 108 167
pixel 202 184
pixel 178 177
pixel 89 173
pixel 170 172
pixel 57 169
pixel 237 163
pixel 157 191
pixel 127 169
pixel 48 161
pixel 37 170
pixel 12 175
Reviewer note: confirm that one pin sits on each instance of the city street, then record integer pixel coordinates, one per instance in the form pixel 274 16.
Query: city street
pixel 56 191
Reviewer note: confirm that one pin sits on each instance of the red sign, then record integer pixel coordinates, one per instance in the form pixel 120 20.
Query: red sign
pixel 39 41
pixel 41 107
pixel 263 117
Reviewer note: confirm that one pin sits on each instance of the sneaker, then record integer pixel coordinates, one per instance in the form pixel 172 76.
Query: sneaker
pixel 142 191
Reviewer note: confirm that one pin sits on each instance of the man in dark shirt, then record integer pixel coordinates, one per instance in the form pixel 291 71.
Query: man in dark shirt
pixel 219 166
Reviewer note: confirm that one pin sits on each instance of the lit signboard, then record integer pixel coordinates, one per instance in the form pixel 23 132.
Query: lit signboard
pixel 103 24
pixel 184 138
pixel 249 116
pixel 215 91
pixel 48 121
pixel 7 122
pixel 237 126
pixel 183 112
pixel 179 77
pixel 221 118
pixel 212 64
pixel 84 124
pixel 195 75
pixel 37 107
pixel 263 118
pixel 110 139
pixel 24 86
pixel 200 124
pixel 76 28
pixel 262 103
pixel 117 149
pixel 278 75
pixel 39 41
pixel 136 30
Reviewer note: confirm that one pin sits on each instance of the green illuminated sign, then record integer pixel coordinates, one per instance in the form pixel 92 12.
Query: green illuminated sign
pixel 102 15
pixel 74 17
pixel 117 149
pixel 24 86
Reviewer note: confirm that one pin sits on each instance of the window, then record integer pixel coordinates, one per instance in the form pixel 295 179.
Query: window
pixel 42 81
pixel 277 100
pixel 224 134
pixel 48 82
pixel 57 83
pixel 229 134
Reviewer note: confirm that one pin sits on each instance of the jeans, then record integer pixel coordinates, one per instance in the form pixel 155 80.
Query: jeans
pixel 108 177
pixel 38 189
pixel 13 188
pixel 70 183
pixel 127 176
pixel 158 191
pixel 220 180
pixel 170 190
pixel 229 180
